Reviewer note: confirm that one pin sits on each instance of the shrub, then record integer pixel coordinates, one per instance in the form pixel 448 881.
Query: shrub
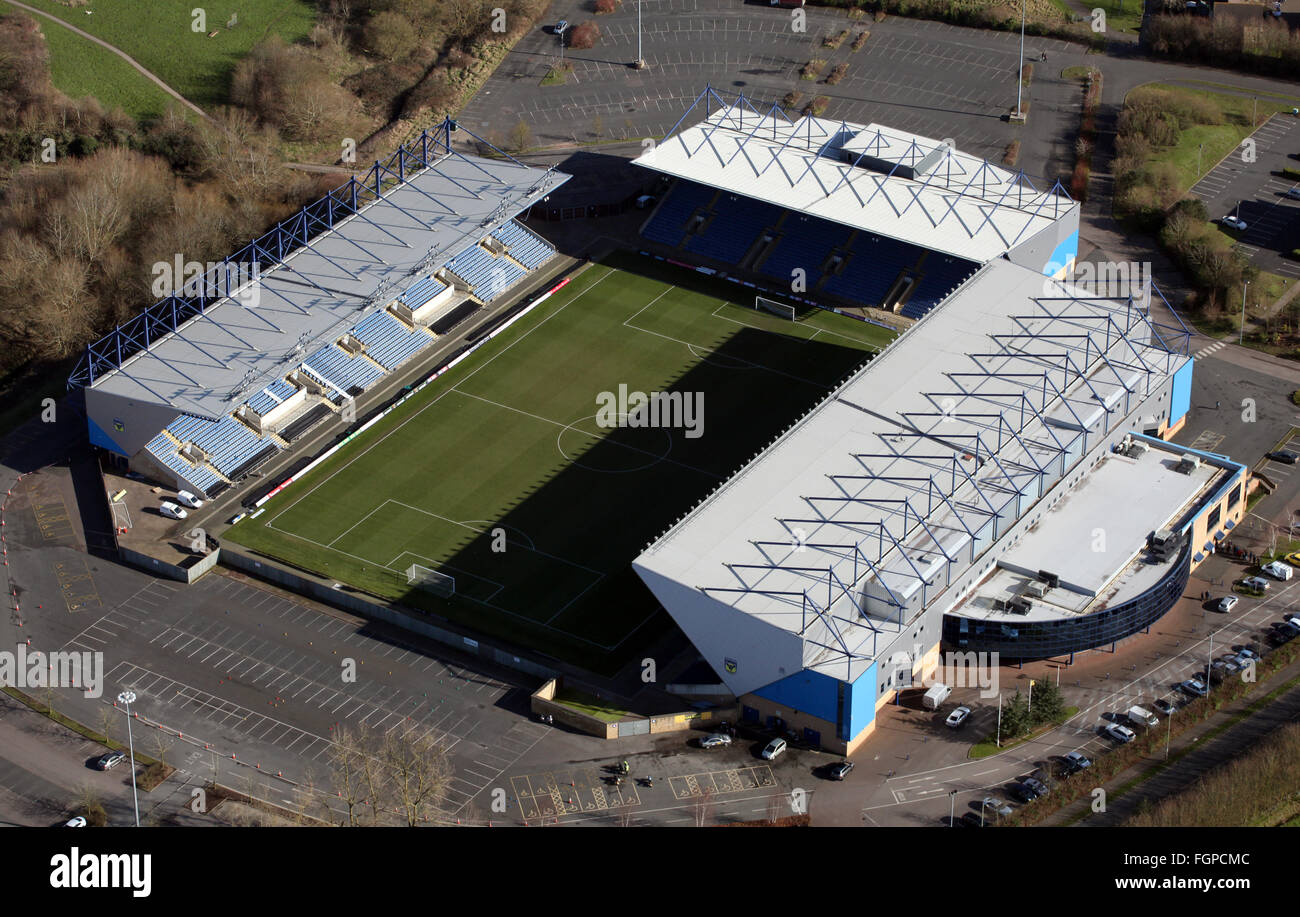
pixel 837 74
pixel 834 41
pixel 792 99
pixel 861 40
pixel 95 815
pixel 584 36
pixel 1011 153
pixel 606 6
pixel 817 105
pixel 390 35
pixel 812 69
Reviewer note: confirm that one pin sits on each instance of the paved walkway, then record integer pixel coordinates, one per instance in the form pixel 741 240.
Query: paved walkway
pixel 152 77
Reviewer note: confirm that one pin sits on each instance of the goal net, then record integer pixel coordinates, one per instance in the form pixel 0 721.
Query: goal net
pixel 776 308
pixel 430 580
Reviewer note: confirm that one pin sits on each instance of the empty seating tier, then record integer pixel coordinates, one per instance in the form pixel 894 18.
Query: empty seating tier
pixel 526 248
pixel 668 224
pixel 269 398
pixel 420 292
pixel 488 277
pixel 388 341
pixel 737 224
pixel 343 372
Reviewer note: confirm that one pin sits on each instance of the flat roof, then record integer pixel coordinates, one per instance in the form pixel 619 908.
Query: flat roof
pixel 962 205
pixel 1064 540
pixel 950 418
pixel 214 360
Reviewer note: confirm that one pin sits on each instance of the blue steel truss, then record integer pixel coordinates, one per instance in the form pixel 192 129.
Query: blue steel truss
pixel 273 249
pixel 996 455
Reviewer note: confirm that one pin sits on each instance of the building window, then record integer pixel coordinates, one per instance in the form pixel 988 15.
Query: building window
pixel 1213 518
pixel 1235 497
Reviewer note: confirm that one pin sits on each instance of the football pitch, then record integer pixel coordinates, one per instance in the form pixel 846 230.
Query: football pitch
pixel 506 474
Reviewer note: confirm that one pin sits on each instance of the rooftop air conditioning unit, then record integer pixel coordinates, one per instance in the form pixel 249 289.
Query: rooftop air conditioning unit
pixel 1037 590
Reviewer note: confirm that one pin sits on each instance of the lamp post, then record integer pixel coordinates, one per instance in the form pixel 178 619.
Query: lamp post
pixel 1020 71
pixel 128 698
pixel 640 61
pixel 952 808
pixel 1241 333
pixel 1199 150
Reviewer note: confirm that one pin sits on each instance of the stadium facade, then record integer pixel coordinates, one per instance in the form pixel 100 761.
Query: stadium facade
pixel 964 487
pixel 210 383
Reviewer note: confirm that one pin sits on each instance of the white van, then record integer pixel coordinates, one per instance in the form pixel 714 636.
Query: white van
pixel 171 510
pixel 1140 716
pixel 1279 570
pixel 937 694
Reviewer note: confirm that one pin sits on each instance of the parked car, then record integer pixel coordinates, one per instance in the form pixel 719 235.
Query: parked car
pixel 1279 570
pixel 958 716
pixel 110 760
pixel 171 510
pixel 1024 792
pixel 840 770
pixel 1293 620
pixel 77 821
pixel 1035 784
pixel 997 806
pixel 1233 222
pixel 1247 652
pixel 1228 602
pixel 1121 734
pixel 1285 456
pixel 1256 582
pixel 1076 761
pixel 1228 664
pixel 189 499
pixel 1167 705
pixel 972 820
pixel 1293 193
pixel 1194 687
pixel 1284 632
pixel 715 740
pixel 1293 558
pixel 774 749
pixel 561 27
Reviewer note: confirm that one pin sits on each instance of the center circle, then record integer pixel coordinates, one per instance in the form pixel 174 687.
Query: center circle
pixel 613 450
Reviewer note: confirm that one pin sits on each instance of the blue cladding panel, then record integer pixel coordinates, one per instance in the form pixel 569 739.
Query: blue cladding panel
pixel 99 438
pixel 862 702
pixel 1066 252
pixel 1181 399
pixel 807 692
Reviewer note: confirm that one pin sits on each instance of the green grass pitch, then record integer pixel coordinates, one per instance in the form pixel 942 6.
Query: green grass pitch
pixel 498 474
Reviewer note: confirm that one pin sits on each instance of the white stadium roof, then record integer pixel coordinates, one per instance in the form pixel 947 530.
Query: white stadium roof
pixel 208 363
pixel 906 461
pixel 911 188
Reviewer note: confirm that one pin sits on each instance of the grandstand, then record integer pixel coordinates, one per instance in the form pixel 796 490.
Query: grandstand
pixel 202 388
pixel 873 217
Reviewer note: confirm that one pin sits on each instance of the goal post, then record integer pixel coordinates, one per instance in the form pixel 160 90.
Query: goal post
pixel 775 307
pixel 430 580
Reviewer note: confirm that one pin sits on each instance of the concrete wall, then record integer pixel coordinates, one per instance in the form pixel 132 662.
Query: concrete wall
pixel 1053 250
pixel 233 556
pixel 184 574
pixel 140 421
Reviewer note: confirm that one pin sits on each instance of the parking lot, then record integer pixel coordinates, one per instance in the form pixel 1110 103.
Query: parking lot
pixel 1256 191
pixel 927 77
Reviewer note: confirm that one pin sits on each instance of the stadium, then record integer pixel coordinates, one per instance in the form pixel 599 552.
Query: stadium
pixel 902 392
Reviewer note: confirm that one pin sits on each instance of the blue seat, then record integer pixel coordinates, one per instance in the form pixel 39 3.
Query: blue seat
pixel 734 229
pixel 668 224
pixel 525 247
pixel 806 244
pixel 342 371
pixel 420 292
pixel 388 341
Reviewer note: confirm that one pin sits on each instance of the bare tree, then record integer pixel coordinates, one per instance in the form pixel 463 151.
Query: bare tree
pixel 348 773
pixel 419 772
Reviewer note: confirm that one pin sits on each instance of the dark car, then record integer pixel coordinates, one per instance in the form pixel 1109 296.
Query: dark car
pixel 110 760
pixel 1024 791
pixel 1076 761
pixel 1285 456
pixel 971 820
pixel 1167 705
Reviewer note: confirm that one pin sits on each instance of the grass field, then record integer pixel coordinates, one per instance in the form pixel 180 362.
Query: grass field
pixel 160 36
pixel 79 67
pixel 499 475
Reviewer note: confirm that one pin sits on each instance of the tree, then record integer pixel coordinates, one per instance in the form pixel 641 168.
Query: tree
pixel 348 773
pixel 1049 705
pixel 584 36
pixel 1015 716
pixel 390 35
pixel 418 772
pixel 520 138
